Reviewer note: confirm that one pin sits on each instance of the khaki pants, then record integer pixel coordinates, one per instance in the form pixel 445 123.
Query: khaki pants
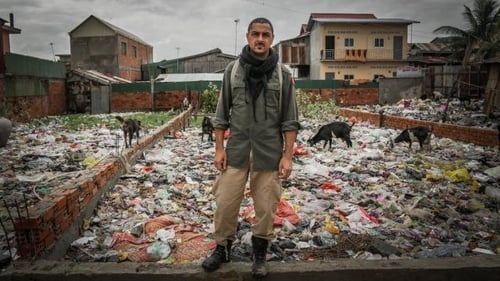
pixel 229 188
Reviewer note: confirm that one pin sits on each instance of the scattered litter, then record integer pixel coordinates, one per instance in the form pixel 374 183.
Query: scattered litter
pixel 370 201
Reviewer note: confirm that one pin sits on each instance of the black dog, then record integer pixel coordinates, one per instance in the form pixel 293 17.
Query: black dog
pixel 326 133
pixel 207 128
pixel 419 133
pixel 129 128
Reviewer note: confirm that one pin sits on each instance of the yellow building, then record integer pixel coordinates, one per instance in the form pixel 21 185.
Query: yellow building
pixel 346 47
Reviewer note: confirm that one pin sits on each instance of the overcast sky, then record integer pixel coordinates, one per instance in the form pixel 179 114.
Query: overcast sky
pixel 189 27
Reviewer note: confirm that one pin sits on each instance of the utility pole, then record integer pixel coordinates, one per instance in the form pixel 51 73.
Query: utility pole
pixel 177 59
pixel 52 48
pixel 236 21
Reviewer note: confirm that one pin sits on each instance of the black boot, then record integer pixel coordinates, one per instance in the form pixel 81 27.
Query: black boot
pixel 259 268
pixel 220 255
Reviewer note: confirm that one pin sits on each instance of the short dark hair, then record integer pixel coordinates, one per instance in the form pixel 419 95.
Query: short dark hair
pixel 261 20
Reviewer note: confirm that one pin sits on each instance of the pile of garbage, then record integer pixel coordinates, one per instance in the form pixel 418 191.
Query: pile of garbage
pixel 364 202
pixel 453 111
pixel 370 201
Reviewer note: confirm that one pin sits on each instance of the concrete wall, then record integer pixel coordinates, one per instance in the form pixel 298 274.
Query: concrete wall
pixel 315 49
pixel 98 53
pixel 363 60
pixel 394 89
pixel 483 268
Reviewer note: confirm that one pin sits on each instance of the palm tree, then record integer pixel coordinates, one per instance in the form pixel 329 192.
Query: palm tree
pixel 478 41
pixel 481 38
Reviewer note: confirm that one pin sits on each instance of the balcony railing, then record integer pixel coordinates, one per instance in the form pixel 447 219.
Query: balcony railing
pixel 361 55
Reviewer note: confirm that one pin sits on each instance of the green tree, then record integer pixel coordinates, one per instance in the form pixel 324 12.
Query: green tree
pixel 209 98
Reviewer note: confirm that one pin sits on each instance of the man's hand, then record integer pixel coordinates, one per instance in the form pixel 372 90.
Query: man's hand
pixel 220 160
pixel 285 168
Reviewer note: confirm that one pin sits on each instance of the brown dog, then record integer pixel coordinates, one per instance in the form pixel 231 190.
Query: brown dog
pixel 129 128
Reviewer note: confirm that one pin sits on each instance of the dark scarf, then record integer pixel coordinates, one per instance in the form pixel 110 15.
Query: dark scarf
pixel 257 73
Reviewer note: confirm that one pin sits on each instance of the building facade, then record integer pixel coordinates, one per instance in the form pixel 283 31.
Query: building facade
pixel 98 45
pixel 347 46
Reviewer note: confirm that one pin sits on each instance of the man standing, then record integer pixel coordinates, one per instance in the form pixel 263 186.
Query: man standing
pixel 257 103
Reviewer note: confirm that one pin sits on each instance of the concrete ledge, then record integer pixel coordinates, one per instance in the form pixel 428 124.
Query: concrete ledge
pixel 483 268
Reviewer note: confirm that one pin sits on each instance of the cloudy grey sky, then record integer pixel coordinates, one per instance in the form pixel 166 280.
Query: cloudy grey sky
pixel 188 27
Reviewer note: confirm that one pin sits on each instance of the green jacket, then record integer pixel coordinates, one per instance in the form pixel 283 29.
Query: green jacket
pixel 263 136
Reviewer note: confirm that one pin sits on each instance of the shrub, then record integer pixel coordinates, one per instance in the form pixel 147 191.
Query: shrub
pixel 209 98
pixel 313 106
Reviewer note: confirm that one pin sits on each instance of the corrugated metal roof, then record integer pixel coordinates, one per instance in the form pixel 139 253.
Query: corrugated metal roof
pixel 189 77
pixel 356 20
pixel 427 47
pixel 100 77
pixel 352 18
pixel 215 51
pixel 342 16
pixel 430 60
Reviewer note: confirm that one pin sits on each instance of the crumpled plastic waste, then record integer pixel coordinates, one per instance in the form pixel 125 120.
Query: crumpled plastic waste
pixel 284 211
pixel 162 209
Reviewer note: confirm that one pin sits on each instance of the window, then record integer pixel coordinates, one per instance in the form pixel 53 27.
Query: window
pixel 348 76
pixel 134 51
pixel 349 42
pixel 379 42
pixel 329 75
pixel 124 48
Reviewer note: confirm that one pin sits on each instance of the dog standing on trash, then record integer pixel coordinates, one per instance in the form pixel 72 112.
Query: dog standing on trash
pixel 336 129
pixel 207 128
pixel 419 134
pixel 129 128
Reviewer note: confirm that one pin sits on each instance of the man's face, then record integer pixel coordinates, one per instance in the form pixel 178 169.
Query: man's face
pixel 260 38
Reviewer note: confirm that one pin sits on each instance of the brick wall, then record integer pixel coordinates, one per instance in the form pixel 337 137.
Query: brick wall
pixel 356 96
pixel 348 96
pixel 479 136
pixel 130 66
pixel 25 108
pixel 141 101
pixel 122 102
pixel 57 98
